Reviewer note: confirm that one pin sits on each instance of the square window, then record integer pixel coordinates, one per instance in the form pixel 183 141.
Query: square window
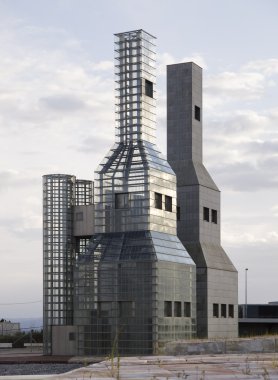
pixel 148 88
pixel 187 309
pixel 158 200
pixel 168 203
pixel 206 214
pixel 214 216
pixel 126 309
pixel 177 309
pixel 167 309
pixel 231 311
pixel 79 216
pixel 215 310
pixel 121 200
pixel 178 213
pixel 197 113
pixel 223 311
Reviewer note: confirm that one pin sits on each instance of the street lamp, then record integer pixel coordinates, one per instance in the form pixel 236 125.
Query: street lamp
pixel 246 270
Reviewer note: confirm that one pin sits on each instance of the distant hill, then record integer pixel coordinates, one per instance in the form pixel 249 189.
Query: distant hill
pixel 27 324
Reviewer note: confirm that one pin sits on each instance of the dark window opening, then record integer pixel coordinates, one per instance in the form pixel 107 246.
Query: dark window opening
pixel 104 309
pixel 168 203
pixel 71 336
pixel 178 213
pixel 187 309
pixel 206 214
pixel 79 216
pixel 121 200
pixel 214 216
pixel 215 310
pixel 148 88
pixel 126 309
pixel 231 311
pixel 158 200
pixel 223 311
pixel 167 309
pixel 197 113
pixel 177 309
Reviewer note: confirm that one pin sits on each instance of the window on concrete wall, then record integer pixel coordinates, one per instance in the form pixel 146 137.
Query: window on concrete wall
pixel 148 88
pixel 177 309
pixel 121 200
pixel 168 203
pixel 79 216
pixel 178 213
pixel 215 310
pixel 223 310
pixel 206 214
pixel 214 216
pixel 167 308
pixel 158 200
pixel 231 311
pixel 197 113
pixel 71 336
pixel 187 309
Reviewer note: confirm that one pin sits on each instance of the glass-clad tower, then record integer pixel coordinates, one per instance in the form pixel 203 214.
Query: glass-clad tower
pixel 65 199
pixel 135 285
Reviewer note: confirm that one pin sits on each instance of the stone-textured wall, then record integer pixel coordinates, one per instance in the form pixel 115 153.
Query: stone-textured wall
pixel 223 346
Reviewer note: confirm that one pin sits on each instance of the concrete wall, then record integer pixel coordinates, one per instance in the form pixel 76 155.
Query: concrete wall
pixel 64 340
pixel 83 220
pixel 221 346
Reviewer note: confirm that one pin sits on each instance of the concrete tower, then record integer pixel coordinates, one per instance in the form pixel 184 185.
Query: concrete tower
pixel 198 205
pixel 135 286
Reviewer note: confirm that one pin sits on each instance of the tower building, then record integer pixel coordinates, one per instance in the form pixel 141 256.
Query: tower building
pixel 133 287
pixel 198 205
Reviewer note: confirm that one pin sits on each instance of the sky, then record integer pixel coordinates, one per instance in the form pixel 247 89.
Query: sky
pixel 57 116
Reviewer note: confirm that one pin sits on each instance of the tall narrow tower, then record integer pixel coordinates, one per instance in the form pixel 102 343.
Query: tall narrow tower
pixel 135 286
pixel 198 204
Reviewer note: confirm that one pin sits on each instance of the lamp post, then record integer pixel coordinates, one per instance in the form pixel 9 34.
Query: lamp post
pixel 245 314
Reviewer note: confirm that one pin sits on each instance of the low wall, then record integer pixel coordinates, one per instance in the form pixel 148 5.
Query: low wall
pixel 223 346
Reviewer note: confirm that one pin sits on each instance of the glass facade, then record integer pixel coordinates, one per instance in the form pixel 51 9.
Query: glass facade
pixel 60 193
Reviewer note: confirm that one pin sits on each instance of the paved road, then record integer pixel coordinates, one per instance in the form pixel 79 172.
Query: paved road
pixel 209 367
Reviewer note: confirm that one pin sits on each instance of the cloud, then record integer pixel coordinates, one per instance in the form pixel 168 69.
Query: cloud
pixel 249 82
pixel 63 103
pixel 165 59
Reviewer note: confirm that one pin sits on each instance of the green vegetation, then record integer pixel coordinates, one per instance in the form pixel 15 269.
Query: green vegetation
pixel 18 339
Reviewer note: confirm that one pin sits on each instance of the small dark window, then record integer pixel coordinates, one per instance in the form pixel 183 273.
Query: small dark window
pixel 178 213
pixel 223 310
pixel 215 310
pixel 127 309
pixel 206 214
pixel 71 336
pixel 167 309
pixel 177 309
pixel 231 311
pixel 79 216
pixel 197 113
pixel 149 88
pixel 187 309
pixel 121 200
pixel 158 200
pixel 168 203
pixel 214 216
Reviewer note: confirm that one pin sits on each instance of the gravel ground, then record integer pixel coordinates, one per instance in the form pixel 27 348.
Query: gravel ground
pixel 36 368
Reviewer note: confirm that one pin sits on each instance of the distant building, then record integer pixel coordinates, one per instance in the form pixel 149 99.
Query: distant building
pixel 258 319
pixel 9 328
pixel 115 272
